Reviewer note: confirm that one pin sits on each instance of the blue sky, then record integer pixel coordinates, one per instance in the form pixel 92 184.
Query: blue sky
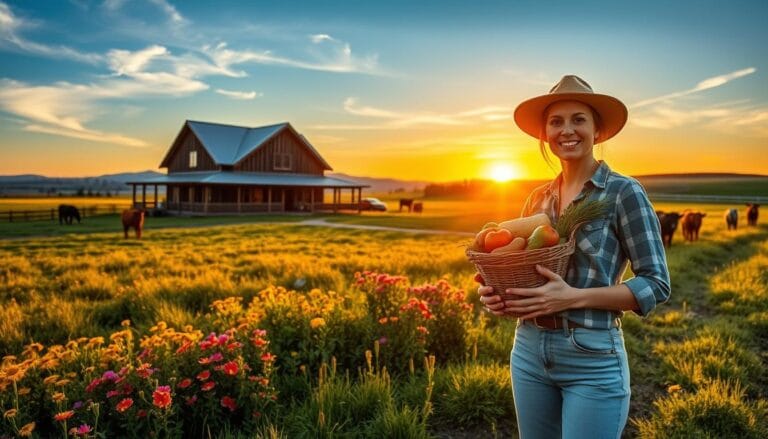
pixel 417 90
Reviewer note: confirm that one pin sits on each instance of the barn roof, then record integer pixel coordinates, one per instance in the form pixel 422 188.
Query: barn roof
pixel 249 178
pixel 228 144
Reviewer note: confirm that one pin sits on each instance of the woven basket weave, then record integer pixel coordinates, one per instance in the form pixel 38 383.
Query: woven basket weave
pixel 517 269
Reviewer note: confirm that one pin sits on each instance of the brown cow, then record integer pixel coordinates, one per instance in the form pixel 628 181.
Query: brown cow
pixel 133 218
pixel 406 202
pixel 668 222
pixel 691 223
pixel 752 213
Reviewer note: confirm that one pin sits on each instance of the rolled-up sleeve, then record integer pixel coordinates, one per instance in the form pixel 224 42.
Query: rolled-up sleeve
pixel 640 239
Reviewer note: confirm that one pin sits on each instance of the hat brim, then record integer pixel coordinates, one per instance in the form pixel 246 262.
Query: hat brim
pixel 529 115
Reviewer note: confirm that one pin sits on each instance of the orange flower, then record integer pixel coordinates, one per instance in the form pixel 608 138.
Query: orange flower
pixel 63 416
pixel 124 405
pixel 27 430
pixel 674 388
pixel 161 397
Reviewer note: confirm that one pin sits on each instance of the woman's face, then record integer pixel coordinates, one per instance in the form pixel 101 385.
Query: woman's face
pixel 570 130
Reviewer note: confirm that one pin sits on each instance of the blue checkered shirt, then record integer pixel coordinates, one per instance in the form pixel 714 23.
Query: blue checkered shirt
pixel 629 234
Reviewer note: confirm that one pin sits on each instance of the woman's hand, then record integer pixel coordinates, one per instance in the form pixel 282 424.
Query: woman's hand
pixel 493 302
pixel 552 297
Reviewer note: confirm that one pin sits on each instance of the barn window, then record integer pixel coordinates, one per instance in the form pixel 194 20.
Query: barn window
pixel 282 162
pixel 192 159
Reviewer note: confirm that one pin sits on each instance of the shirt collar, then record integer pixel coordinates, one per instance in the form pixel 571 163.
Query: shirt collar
pixel 599 179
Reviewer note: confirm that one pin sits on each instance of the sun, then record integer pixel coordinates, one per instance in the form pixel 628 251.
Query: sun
pixel 503 172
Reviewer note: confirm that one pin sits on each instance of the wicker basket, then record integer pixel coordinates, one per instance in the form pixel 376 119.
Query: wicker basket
pixel 517 269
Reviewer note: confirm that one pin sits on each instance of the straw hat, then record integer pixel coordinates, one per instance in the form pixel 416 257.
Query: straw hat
pixel 529 115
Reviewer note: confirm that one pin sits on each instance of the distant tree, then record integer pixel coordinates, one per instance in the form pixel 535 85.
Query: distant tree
pixel 80 192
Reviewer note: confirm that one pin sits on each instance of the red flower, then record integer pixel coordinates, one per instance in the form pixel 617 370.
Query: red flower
pixel 231 368
pixel 191 400
pixel 208 385
pixel 186 382
pixel 83 430
pixel 124 405
pixel 145 370
pixel 183 348
pixel 267 357
pixel 141 413
pixel 161 397
pixel 204 375
pixel 229 403
pixel 63 416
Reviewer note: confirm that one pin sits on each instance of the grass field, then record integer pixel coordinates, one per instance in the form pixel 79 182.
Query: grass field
pixel 697 363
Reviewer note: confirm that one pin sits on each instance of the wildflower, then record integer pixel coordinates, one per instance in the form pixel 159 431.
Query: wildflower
pixel 61 383
pixel 145 370
pixel 229 403
pixel 674 388
pixel 27 430
pixel 15 373
pixel 234 345
pixel 204 375
pixel 267 357
pixel 208 385
pixel 231 368
pixel 83 430
pixel 422 329
pixel 110 376
pixel 141 413
pixel 183 384
pixel 185 347
pixel 77 405
pixel 161 397
pixel 125 323
pixel 191 400
pixel 63 416
pixel 259 342
pixel 124 405
pixel 58 397
pixel 50 380
pixel 112 393
pixel 92 386
pixel 24 391
pixel 317 322
pixel 383 320
pixel 96 341
pixel 216 357
pixel 9 414
pixel 383 341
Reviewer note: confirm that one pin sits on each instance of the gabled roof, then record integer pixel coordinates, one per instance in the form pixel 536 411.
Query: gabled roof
pixel 228 144
pixel 249 178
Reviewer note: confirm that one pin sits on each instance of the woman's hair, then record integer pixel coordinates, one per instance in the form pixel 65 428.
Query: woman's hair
pixel 543 134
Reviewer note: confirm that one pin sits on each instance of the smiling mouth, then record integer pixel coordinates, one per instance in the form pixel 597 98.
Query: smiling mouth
pixel 570 144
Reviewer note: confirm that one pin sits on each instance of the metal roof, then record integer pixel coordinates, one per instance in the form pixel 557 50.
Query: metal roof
pixel 228 144
pixel 249 178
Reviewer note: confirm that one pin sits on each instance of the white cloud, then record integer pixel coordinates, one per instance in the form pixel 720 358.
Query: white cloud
pixel 243 95
pixel 170 10
pixel 10 24
pixel 706 84
pixel 319 38
pixel 402 119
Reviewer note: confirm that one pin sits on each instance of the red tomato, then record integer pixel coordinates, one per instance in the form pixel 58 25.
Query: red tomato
pixel 497 238
pixel 480 238
pixel 479 279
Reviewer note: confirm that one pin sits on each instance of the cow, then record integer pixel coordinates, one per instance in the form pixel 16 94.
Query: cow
pixel 668 222
pixel 752 214
pixel 691 223
pixel 133 218
pixel 67 213
pixel 732 218
pixel 406 202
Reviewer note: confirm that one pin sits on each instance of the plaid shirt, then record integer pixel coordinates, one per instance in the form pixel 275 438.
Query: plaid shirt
pixel 629 233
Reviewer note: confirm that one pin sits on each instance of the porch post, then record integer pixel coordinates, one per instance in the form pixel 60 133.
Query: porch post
pixel 359 199
pixel 238 200
pixel 156 196
pixel 206 195
pixel 133 204
pixel 336 199
pixel 312 199
pixel 144 196
pixel 192 198
pixel 269 199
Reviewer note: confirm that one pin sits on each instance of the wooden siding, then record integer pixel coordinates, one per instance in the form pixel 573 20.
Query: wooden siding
pixel 302 161
pixel 179 161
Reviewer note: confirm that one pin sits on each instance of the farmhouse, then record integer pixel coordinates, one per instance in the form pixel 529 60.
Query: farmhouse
pixel 215 168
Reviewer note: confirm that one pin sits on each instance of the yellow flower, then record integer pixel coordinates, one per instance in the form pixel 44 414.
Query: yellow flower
pixel 58 397
pixel 26 430
pixel 125 323
pixel 14 372
pixel 9 414
pixel 62 383
pixel 96 341
pixel 24 391
pixel 317 322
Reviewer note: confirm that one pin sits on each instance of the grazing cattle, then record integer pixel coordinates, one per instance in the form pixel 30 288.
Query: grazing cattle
pixel 752 214
pixel 406 202
pixel 732 218
pixel 691 223
pixel 133 218
pixel 67 213
pixel 668 222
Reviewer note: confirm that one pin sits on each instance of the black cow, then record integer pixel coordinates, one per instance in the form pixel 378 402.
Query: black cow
pixel 732 218
pixel 752 213
pixel 67 213
pixel 406 202
pixel 668 222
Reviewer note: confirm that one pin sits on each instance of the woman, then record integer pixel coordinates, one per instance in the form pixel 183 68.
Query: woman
pixel 569 368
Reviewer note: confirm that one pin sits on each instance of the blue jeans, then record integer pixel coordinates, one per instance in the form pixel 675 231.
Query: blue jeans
pixel 570 383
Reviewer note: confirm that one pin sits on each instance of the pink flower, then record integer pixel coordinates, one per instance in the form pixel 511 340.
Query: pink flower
pixel 112 393
pixel 229 403
pixel 191 400
pixel 83 430
pixel 231 368
pixel 216 357
pixel 161 397
pixel 204 375
pixel 92 386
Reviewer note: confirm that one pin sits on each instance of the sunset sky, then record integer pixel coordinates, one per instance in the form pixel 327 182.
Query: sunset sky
pixel 417 90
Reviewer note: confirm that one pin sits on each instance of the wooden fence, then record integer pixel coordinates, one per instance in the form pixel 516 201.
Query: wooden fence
pixel 52 214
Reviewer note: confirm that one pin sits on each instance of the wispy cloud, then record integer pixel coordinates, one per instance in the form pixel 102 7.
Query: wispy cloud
pixel 706 84
pixel 404 119
pixel 242 95
pixel 10 37
pixel 170 10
